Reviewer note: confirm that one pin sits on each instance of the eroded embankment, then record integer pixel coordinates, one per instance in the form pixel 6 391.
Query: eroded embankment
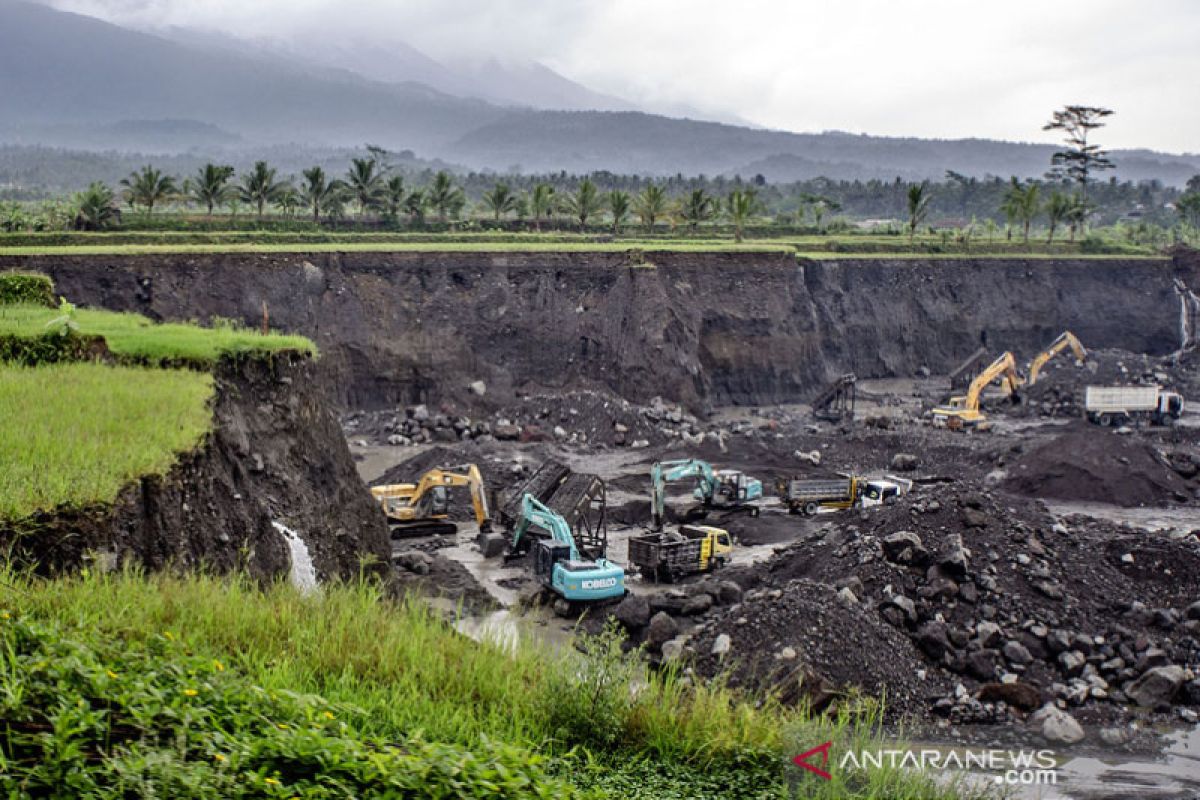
pixel 695 327
pixel 276 453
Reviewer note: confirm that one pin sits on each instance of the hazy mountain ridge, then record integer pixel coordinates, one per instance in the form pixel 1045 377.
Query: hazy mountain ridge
pixel 76 81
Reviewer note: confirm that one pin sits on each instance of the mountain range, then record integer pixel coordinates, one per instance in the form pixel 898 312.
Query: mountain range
pixel 76 81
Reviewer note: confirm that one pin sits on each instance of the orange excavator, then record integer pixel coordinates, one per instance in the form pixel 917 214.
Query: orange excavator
pixel 1066 339
pixel 421 508
pixel 963 410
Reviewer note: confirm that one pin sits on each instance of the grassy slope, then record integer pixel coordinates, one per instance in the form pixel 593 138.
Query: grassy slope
pixel 76 433
pixel 864 244
pixel 139 339
pixel 389 671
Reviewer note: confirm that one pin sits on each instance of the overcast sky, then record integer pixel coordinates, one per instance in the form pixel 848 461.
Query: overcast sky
pixel 932 68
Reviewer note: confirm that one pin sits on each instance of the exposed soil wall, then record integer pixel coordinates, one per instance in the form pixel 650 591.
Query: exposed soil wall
pixel 276 454
pixel 693 327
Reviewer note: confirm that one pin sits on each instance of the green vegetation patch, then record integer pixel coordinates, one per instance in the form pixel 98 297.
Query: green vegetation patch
pixel 100 719
pixel 394 676
pixel 28 288
pixel 136 339
pixel 75 434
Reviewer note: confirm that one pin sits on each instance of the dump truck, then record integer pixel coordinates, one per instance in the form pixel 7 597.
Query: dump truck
pixel 669 556
pixel 1116 405
pixel 808 496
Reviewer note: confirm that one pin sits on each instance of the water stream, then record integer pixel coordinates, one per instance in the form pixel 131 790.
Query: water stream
pixel 303 573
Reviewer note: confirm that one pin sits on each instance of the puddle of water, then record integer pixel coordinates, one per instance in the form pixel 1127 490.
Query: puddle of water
pixel 303 573
pixel 1150 519
pixel 1174 775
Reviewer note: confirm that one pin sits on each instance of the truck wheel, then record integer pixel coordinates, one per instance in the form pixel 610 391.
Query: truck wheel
pixel 754 511
pixel 810 509
pixel 1105 420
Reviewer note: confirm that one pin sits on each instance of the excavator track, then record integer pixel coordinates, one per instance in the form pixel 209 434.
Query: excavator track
pixel 409 530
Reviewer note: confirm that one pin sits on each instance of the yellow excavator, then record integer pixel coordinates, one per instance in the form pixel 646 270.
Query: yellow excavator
pixel 1066 339
pixel 420 509
pixel 963 411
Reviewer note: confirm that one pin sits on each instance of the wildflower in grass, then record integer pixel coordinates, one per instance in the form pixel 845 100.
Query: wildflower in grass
pixel 190 692
pixel 219 758
pixel 271 781
pixel 281 725
pixel 111 674
pixel 5 615
pixel 328 715
pixel 218 666
pixel 170 637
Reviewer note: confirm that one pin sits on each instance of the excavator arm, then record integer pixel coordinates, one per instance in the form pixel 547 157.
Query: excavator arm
pixel 534 512
pixel 1065 340
pixel 966 408
pixel 1003 367
pixel 666 471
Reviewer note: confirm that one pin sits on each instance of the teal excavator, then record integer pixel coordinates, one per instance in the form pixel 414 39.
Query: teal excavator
pixel 557 562
pixel 725 489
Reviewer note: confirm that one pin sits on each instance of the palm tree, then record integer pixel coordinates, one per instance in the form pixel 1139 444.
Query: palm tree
pixel 394 194
pixel 365 182
pixel 618 207
pixel 1057 208
pixel 696 208
pixel 1077 215
pixel 650 204
pixel 319 195
pixel 444 197
pixel 260 187
pixel 210 186
pixel 918 207
pixel 97 206
pixel 741 204
pixel 1021 203
pixel 500 200
pixel 288 200
pixel 415 206
pixel 584 203
pixel 541 203
pixel 147 187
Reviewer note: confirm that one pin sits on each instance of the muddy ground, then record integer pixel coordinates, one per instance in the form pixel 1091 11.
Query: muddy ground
pixel 969 602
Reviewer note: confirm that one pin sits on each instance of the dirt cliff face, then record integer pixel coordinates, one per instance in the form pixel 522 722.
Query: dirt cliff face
pixel 276 454
pixel 701 328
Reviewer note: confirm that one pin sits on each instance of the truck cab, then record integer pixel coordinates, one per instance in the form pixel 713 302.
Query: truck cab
pixel 882 491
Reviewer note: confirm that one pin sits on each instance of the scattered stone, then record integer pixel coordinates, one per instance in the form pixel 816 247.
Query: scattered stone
pixel 634 612
pixel 721 644
pixel 661 630
pixel 1056 725
pixel 904 547
pixel 1155 686
pixel 697 605
pixel 477 388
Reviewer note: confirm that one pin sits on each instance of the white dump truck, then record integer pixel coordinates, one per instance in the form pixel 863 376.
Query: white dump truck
pixel 1116 405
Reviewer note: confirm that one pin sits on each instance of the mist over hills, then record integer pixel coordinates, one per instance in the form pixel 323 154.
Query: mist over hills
pixel 76 81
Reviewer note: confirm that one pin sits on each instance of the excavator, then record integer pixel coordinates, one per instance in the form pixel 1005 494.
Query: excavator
pixel 557 562
pixel 420 509
pixel 963 410
pixel 727 489
pixel 1066 339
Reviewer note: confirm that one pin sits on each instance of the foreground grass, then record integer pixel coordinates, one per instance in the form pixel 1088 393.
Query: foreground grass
pixel 140 340
pixel 395 673
pixel 74 434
